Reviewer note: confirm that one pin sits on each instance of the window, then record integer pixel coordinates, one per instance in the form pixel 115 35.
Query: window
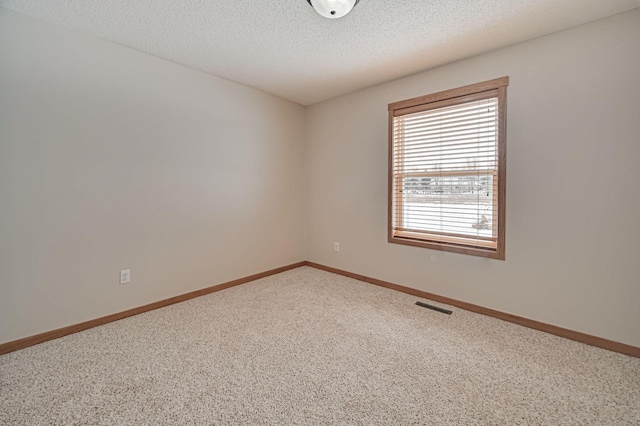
pixel 447 155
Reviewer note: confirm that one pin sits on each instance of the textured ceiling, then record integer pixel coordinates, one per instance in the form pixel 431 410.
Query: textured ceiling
pixel 283 47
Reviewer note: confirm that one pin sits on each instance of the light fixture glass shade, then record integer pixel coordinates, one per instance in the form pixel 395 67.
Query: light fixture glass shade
pixel 333 9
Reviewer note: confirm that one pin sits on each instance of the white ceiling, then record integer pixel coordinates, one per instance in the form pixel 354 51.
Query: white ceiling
pixel 283 47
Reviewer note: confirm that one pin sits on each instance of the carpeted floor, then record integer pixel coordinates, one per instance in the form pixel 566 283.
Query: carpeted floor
pixel 307 347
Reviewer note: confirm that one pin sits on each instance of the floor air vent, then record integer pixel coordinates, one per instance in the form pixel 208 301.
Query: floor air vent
pixel 435 308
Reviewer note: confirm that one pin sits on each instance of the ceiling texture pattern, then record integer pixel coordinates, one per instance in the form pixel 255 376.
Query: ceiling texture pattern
pixel 285 48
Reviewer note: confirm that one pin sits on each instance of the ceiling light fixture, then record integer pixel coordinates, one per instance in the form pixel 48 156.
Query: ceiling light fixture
pixel 333 9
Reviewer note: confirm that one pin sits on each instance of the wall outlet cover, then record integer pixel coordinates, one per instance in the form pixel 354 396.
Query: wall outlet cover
pixel 125 276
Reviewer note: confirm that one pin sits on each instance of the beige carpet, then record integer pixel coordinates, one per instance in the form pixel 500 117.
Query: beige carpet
pixel 307 347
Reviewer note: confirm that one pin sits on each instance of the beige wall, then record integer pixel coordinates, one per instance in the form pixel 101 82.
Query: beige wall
pixel 573 196
pixel 112 159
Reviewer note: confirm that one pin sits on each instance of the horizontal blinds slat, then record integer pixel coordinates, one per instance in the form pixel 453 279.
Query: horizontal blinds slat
pixel 470 138
pixel 430 120
pixel 454 215
pixel 430 188
pixel 430 162
pixel 467 141
pixel 460 223
pixel 485 120
pixel 454 239
pixel 434 133
pixel 480 203
pixel 435 207
pixel 481 147
pixel 449 167
pixel 435 196
pixel 470 118
pixel 452 171
pixel 451 234
pixel 460 213
pixel 458 186
pixel 428 157
pixel 483 209
pixel 444 173
pixel 446 121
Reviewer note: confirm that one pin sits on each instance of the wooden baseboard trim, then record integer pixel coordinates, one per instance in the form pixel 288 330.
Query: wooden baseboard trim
pixel 65 331
pixel 537 325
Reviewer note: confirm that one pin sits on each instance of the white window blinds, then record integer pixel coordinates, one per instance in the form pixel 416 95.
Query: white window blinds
pixel 445 162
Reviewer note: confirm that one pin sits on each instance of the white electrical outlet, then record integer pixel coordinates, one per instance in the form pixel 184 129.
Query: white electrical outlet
pixel 336 246
pixel 125 276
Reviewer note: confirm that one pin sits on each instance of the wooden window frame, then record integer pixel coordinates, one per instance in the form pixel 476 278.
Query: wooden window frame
pixel 484 90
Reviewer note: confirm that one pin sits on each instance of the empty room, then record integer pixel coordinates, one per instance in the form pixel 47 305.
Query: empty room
pixel 319 212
